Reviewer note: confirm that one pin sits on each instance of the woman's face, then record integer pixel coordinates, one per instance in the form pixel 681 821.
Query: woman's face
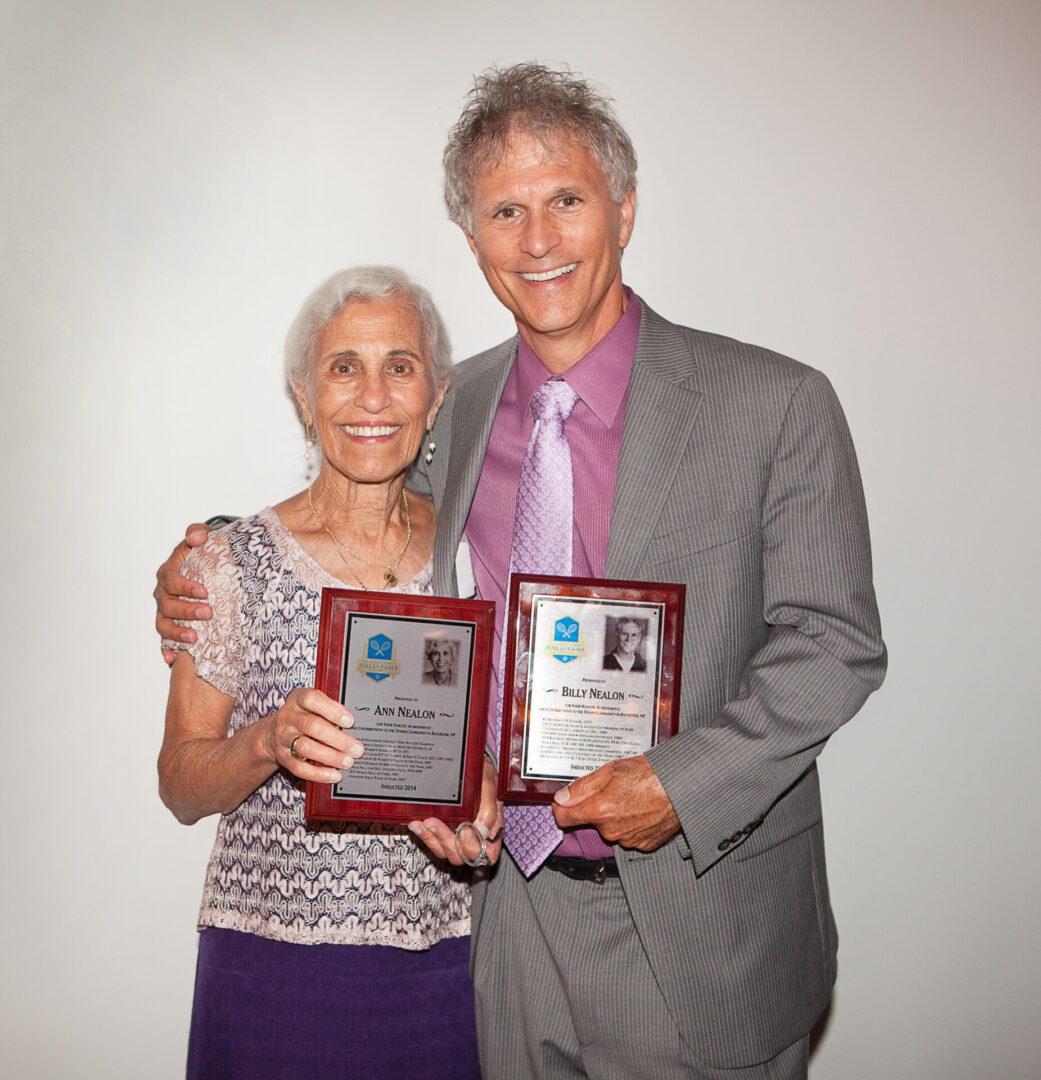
pixel 440 656
pixel 371 390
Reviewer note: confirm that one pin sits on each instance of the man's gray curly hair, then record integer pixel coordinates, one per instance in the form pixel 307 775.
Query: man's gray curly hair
pixel 545 103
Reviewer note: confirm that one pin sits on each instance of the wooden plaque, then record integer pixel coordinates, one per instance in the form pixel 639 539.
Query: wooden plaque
pixel 592 673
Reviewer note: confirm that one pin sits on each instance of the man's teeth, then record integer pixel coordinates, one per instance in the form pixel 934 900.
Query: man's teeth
pixel 549 275
pixel 363 431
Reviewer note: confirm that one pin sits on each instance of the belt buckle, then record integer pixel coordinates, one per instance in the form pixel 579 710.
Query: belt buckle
pixel 601 873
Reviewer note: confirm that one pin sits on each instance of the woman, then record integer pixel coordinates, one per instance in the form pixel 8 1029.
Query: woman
pixel 342 950
pixel 440 662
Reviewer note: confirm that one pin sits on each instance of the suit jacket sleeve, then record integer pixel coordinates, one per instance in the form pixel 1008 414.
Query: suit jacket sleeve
pixel 820 651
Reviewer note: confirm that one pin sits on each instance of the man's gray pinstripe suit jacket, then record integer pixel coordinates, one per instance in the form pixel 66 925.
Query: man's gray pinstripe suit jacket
pixel 738 478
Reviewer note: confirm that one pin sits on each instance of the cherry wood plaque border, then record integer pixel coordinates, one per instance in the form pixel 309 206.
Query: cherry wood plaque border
pixel 513 787
pixel 337 604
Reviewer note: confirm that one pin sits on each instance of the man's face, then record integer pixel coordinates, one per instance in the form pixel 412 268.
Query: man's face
pixel 548 237
pixel 628 638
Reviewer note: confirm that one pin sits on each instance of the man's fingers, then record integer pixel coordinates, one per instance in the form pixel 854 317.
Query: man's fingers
pixel 196 533
pixel 174 608
pixel 581 789
pixel 172 586
pixel 590 811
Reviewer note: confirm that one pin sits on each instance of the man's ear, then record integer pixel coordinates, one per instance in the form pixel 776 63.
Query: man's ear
pixel 473 243
pixel 626 218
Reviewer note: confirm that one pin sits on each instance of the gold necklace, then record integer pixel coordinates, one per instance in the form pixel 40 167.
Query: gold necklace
pixel 346 554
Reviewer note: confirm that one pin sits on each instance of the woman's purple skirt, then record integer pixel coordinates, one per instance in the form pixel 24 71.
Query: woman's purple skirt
pixel 272 1010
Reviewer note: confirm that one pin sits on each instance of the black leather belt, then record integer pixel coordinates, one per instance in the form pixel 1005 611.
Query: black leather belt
pixel 597 870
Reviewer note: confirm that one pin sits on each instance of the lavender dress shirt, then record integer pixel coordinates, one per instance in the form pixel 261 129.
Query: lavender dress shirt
pixel 594 434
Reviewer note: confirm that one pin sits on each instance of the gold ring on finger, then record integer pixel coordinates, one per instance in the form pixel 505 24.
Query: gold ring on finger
pixel 292 747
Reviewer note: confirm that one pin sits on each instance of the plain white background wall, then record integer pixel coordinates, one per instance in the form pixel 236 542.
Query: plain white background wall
pixel 854 184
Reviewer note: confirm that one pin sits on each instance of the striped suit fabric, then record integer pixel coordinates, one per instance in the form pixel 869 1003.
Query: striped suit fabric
pixel 738 478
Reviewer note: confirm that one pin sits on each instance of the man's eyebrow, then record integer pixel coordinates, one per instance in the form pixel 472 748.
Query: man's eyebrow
pixel 560 193
pixel 493 208
pixel 350 354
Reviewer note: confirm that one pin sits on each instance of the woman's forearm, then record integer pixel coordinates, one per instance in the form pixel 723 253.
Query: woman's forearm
pixel 205 775
pixel 201 770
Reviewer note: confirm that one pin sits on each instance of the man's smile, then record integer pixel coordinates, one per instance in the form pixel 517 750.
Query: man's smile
pixel 549 275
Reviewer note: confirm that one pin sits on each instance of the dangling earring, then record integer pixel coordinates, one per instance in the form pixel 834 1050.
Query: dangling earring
pixel 431 447
pixel 311 435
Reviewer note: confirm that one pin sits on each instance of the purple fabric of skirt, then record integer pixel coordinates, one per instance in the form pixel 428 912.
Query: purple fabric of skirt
pixel 270 1010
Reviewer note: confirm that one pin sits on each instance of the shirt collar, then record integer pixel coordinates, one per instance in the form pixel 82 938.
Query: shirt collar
pixel 600 378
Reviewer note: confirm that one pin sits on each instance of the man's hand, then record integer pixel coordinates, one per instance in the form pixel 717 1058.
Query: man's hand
pixel 175 595
pixel 624 801
pixel 440 839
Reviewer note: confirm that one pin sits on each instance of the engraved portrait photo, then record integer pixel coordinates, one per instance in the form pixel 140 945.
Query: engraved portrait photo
pixel 440 661
pixel 624 636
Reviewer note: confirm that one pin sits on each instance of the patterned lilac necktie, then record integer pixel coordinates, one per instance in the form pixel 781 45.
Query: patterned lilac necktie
pixel 542 536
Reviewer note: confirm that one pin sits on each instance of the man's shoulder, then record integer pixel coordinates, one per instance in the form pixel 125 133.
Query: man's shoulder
pixel 491 359
pixel 715 356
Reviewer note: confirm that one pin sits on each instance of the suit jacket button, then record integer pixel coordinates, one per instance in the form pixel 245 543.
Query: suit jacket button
pixel 724 844
pixel 737 837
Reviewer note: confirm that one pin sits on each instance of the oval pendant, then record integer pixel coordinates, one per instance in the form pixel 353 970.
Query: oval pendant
pixel 390 578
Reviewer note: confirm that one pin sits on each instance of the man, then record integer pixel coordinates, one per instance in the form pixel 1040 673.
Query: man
pixel 702 943
pixel 626 656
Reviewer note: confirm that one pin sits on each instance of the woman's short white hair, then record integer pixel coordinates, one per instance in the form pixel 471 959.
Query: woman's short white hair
pixel 363 283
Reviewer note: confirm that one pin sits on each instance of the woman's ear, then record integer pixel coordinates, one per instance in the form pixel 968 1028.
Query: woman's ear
pixel 435 408
pixel 303 404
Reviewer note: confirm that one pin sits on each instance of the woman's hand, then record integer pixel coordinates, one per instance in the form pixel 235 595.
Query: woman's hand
pixel 307 737
pixel 203 771
pixel 488 824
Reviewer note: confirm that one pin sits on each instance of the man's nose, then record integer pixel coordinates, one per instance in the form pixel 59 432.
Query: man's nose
pixel 541 234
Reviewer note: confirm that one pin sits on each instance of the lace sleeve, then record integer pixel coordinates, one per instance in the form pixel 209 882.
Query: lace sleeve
pixel 219 654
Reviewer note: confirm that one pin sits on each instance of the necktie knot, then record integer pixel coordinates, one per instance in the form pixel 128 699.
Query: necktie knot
pixel 553 400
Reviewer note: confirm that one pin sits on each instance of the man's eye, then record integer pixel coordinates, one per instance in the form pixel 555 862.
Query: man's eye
pixel 400 368
pixel 507 212
pixel 570 200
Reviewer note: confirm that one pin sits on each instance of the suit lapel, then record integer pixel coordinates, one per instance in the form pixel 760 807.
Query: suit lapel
pixel 660 415
pixel 466 427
